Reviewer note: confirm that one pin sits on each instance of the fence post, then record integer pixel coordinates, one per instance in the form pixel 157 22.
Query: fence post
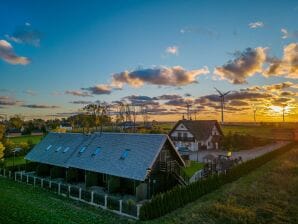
pixel 34 181
pixel 68 190
pixel 80 193
pixel 92 196
pixel 106 201
pixel 138 210
pixel 21 176
pixel 4 172
pixel 120 206
pixel 41 183
pixel 27 179
pixel 15 176
pixel 59 188
pixel 9 174
pixel 50 184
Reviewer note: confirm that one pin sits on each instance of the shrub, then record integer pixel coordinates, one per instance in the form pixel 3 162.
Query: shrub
pixel 177 197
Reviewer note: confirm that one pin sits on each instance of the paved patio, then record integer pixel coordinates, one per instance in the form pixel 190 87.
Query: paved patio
pixel 245 154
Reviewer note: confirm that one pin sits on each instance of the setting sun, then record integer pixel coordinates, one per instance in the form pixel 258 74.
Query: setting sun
pixel 276 109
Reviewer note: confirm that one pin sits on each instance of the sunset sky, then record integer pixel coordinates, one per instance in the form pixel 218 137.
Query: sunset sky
pixel 57 56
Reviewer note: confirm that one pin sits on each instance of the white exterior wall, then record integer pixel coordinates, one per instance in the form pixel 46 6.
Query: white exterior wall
pixel 193 146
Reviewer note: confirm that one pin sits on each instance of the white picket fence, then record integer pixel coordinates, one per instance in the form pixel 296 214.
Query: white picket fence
pixel 106 202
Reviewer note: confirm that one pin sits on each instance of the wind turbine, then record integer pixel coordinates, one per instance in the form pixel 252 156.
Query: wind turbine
pixel 188 106
pixel 222 102
pixel 255 112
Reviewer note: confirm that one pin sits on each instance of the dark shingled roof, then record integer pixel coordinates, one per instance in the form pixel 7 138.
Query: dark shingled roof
pixel 200 129
pixel 143 150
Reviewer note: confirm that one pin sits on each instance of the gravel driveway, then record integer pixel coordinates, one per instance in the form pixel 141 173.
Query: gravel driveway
pixel 245 154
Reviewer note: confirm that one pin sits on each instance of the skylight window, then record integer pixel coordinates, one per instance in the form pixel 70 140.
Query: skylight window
pixel 82 150
pixel 58 149
pixel 66 149
pixel 50 146
pixel 97 150
pixel 125 154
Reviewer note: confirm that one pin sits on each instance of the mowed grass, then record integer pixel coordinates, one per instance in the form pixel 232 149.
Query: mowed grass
pixel 194 167
pixel 267 195
pixel 20 203
pixel 34 139
pixel 19 160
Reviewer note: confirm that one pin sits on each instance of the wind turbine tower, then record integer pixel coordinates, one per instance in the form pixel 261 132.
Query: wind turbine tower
pixel 222 102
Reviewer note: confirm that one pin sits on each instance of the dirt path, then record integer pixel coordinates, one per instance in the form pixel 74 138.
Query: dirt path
pixel 245 154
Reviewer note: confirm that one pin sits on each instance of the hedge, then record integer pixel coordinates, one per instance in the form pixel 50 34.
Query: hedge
pixel 179 196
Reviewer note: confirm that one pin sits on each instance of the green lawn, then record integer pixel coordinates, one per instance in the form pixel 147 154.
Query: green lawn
pixel 267 195
pixel 35 139
pixel 19 160
pixel 194 166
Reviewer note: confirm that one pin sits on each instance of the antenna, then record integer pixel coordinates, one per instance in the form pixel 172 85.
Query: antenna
pixel 222 102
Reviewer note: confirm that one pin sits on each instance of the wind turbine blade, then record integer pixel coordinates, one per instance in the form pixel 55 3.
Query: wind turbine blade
pixel 226 93
pixel 218 91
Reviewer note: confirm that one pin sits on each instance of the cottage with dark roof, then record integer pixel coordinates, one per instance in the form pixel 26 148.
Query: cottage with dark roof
pixel 140 164
pixel 197 134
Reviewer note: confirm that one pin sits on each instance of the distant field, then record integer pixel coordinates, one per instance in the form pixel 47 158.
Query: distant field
pixel 35 139
pixel 259 131
pixel 267 195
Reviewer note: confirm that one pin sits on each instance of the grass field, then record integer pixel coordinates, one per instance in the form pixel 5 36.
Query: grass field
pixel 19 160
pixel 35 139
pixel 267 195
pixel 194 166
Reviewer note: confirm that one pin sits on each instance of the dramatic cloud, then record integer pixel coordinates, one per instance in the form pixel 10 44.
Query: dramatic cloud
pixel 279 86
pixel 245 65
pixel 26 35
pixel 288 65
pixel 99 89
pixel 141 100
pixel 174 50
pixel 286 34
pixel 7 101
pixel 180 102
pixel 169 97
pixel 239 103
pixel 78 93
pixel 167 76
pixel 7 54
pixel 81 102
pixel 256 25
pixel 39 106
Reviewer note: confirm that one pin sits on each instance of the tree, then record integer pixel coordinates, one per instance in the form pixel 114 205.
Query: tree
pixel 2 148
pixel 98 113
pixel 2 131
pixel 16 122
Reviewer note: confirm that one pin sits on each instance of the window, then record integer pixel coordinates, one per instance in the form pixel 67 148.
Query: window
pixel 184 135
pixel 82 150
pixel 66 149
pixel 50 146
pixel 124 154
pixel 58 149
pixel 97 150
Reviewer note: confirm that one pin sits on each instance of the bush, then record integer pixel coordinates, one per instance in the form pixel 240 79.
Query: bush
pixel 177 197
